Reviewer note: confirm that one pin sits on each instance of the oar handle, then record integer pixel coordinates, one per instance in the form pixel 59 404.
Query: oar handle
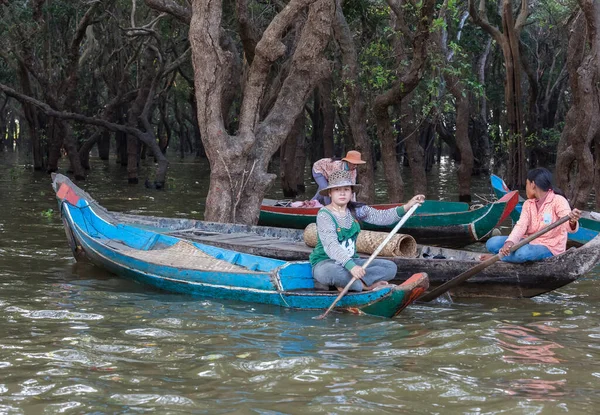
pixel 372 257
pixel 433 294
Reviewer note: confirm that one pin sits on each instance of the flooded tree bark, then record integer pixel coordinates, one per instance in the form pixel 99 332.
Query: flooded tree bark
pixel 291 171
pixel 479 134
pixel 357 117
pixel 327 115
pixel 239 177
pixel 463 114
pixel 407 82
pixel 508 39
pixel 575 162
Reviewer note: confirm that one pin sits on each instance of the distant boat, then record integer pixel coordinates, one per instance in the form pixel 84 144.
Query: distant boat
pixel 450 224
pixel 589 223
pixel 183 266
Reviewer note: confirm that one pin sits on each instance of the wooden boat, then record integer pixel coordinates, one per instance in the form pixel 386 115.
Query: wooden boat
pixel 185 266
pixel 501 279
pixel 589 224
pixel 449 224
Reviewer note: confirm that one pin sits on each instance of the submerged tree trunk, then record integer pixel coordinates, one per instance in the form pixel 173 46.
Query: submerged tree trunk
pixel 597 173
pixel 104 146
pixel 508 39
pixel 357 107
pixel 575 163
pixel 239 177
pixel 327 116
pixel 406 83
pixel 461 97
pixel 479 134
pixel 289 170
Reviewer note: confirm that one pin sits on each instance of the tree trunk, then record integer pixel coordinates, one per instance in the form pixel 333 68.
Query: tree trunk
pixel 317 142
pixel 239 177
pixel 148 72
pixel 357 119
pixel 86 147
pixel 32 117
pixel 508 39
pixel 287 159
pixel 104 146
pixel 512 59
pixel 327 116
pixel 416 160
pixel 597 172
pixel 55 142
pixel 575 163
pixel 465 169
pixel 479 133
pixel 406 83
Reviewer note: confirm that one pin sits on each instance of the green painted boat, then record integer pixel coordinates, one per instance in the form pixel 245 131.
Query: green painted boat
pixel 440 223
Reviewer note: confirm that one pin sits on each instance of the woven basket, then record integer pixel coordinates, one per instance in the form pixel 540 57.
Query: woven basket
pixel 399 246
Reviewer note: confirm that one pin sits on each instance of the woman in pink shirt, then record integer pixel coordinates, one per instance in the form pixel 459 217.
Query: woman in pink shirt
pixel 544 206
pixel 324 167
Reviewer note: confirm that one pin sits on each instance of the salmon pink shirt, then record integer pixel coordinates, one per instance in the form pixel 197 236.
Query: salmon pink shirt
pixel 532 220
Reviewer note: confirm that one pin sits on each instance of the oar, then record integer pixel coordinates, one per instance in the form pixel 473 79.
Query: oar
pixel 371 258
pixel 484 264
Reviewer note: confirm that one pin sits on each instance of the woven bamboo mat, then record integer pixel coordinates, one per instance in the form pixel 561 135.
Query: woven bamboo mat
pixel 399 246
pixel 186 256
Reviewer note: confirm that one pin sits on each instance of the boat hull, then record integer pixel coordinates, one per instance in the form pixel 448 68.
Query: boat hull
pixel 151 258
pixel 502 279
pixel 449 224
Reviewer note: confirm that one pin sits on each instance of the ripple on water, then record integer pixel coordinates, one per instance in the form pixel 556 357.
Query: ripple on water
pixel 151 332
pixel 62 315
pixel 169 322
pixel 69 356
pixel 61 408
pixel 32 387
pixel 143 399
pixel 78 389
pixel 279 364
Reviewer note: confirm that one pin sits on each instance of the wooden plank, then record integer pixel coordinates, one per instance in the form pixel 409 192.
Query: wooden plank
pixel 237 237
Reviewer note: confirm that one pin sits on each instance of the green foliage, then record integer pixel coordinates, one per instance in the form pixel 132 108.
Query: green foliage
pixel 48 213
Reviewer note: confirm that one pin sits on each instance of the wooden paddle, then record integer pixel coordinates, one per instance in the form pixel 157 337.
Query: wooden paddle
pixel 484 264
pixel 371 258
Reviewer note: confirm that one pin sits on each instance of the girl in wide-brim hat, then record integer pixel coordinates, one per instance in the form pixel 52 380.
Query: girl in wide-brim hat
pixel 334 258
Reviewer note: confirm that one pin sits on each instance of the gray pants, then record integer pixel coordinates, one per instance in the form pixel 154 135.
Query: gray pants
pixel 322 183
pixel 329 273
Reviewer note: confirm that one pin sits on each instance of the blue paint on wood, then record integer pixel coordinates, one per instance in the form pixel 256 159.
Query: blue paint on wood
pixel 261 280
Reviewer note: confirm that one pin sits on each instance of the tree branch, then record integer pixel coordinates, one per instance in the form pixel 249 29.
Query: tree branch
pixel 181 13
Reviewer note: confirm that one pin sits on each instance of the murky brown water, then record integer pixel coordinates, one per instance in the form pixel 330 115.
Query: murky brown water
pixel 75 339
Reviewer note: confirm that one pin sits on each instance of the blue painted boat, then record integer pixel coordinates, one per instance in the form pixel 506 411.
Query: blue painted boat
pixel 589 226
pixel 187 267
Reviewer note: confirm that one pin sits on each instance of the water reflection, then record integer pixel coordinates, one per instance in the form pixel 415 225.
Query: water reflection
pixel 538 389
pixel 524 347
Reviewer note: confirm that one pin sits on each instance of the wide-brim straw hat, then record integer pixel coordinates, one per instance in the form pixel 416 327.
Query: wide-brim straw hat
pixel 340 178
pixel 354 157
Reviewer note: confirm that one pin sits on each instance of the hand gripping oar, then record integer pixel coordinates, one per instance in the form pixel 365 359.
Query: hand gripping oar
pixel 433 294
pixel 371 258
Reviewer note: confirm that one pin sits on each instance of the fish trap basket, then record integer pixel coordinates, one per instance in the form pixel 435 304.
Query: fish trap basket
pixel 399 246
